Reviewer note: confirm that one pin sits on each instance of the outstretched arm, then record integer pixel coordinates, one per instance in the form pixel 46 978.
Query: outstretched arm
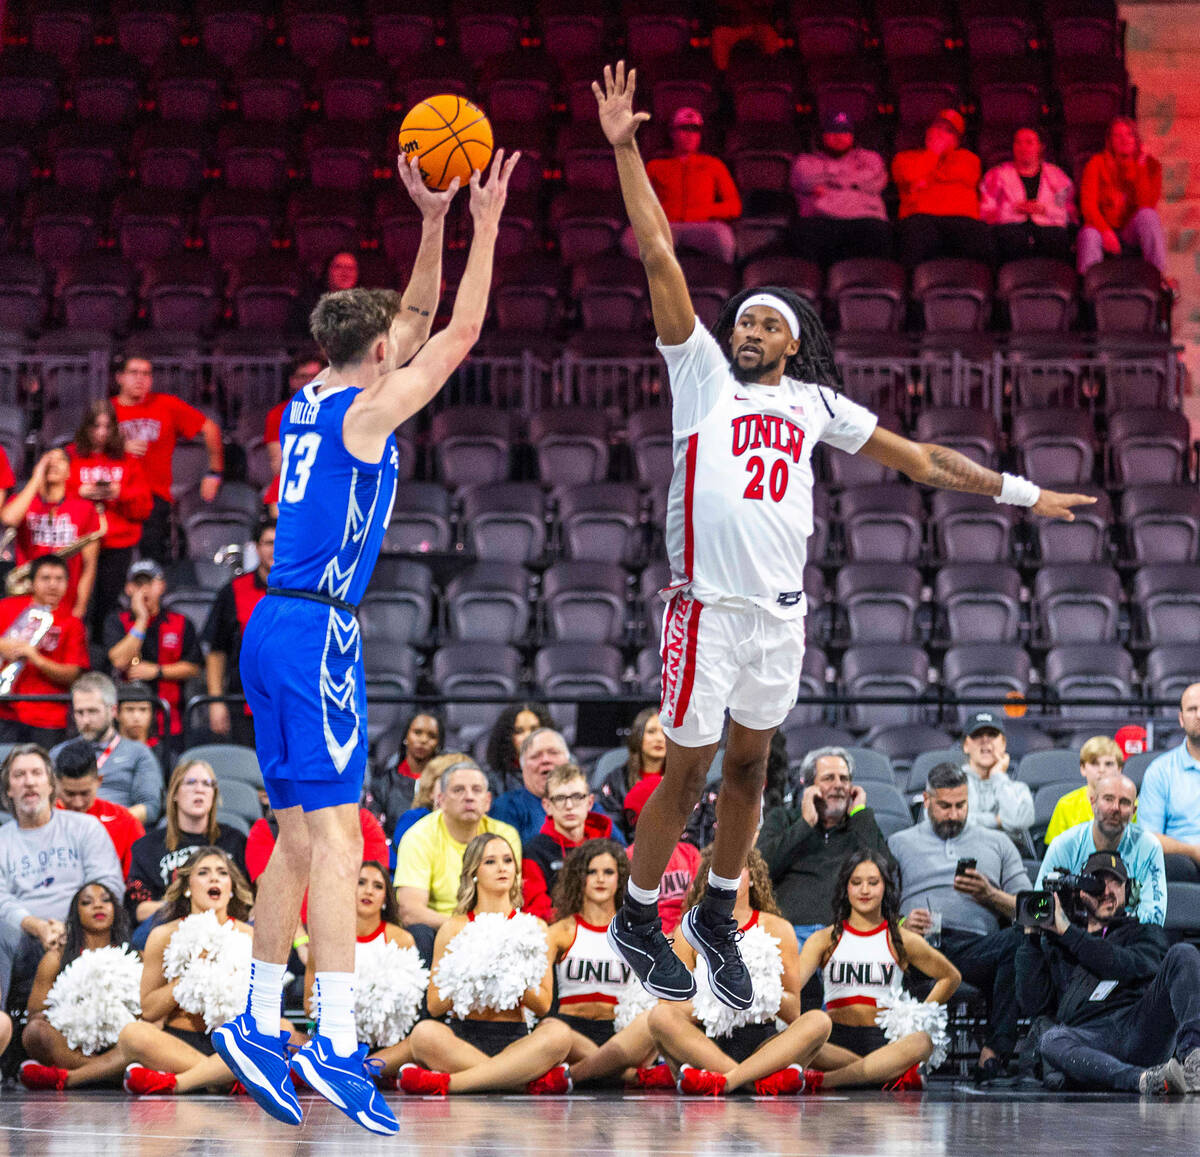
pixel 420 300
pixel 674 316
pixel 947 469
pixel 398 395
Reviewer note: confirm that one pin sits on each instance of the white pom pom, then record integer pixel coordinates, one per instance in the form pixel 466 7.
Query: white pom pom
pixel 908 1015
pixel 760 951
pixel 491 963
pixel 211 962
pixel 389 986
pixel 634 1001
pixel 96 996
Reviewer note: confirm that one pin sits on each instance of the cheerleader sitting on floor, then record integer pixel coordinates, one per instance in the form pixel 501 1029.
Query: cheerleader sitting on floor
pixel 718 1050
pixel 599 998
pixel 863 956
pixel 377 917
pixel 491 963
pixel 169 1049
pixel 95 920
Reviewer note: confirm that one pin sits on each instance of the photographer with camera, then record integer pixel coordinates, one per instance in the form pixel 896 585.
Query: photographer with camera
pixel 1113 798
pixel 1124 1006
pixel 966 874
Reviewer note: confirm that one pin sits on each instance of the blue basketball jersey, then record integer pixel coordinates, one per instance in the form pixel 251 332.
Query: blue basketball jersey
pixel 333 507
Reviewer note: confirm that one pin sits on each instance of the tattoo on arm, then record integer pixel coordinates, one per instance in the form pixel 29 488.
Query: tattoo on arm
pixel 950 470
pixel 418 310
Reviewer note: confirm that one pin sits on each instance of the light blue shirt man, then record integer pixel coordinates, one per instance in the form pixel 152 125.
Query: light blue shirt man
pixel 1142 855
pixel 1170 799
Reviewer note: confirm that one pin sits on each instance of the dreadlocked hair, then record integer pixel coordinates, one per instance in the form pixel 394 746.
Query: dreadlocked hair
pixel 813 361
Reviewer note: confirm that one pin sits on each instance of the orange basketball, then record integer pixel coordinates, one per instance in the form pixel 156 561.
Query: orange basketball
pixel 452 137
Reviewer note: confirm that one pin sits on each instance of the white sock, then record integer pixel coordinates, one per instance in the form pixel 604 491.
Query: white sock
pixel 723 882
pixel 335 1011
pixel 645 896
pixel 266 995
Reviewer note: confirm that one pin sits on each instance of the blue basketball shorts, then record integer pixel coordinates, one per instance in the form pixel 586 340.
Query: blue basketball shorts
pixel 302 672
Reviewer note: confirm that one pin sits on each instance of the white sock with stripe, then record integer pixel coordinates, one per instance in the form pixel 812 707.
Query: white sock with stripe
pixel 335 1010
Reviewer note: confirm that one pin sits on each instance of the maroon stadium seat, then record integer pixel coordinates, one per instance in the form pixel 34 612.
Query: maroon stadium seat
pixel 237 223
pixel 1076 603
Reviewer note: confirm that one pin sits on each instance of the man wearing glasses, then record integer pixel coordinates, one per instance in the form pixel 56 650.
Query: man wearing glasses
pixel 569 821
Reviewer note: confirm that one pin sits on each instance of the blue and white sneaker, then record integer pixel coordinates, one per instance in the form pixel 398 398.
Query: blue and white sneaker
pixel 260 1062
pixel 346 1083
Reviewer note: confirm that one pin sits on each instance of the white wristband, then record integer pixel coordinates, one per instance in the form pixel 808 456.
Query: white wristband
pixel 1017 491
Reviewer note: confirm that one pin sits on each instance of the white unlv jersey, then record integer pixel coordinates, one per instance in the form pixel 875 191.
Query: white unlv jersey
pixel 740 506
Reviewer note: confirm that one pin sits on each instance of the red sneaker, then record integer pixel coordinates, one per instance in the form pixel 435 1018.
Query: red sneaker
pixel 657 1077
pixel 142 1081
pixel 909 1081
pixel 237 1089
pixel 423 1082
pixel 813 1080
pixel 557 1080
pixel 35 1076
pixel 785 1081
pixel 700 1082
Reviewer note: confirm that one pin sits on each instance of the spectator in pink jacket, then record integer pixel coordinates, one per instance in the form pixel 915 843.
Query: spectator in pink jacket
pixel 1028 202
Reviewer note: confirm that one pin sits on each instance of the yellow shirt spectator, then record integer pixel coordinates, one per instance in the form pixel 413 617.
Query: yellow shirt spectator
pixel 1099 756
pixel 430 858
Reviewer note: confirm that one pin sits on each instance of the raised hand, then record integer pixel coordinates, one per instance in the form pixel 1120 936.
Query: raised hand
pixel 433 204
pixel 617 118
pixel 1055 505
pixel 488 197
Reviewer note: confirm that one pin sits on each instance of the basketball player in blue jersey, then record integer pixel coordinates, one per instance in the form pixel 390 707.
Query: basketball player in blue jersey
pixel 301 658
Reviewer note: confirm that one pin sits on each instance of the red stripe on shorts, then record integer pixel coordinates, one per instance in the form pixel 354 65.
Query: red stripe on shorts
pixel 689 491
pixel 689 664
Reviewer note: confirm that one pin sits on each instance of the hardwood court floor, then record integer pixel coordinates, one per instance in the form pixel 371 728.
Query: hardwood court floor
pixel 949 1119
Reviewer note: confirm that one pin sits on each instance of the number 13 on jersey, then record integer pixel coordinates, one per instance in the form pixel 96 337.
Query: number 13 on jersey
pixel 299 454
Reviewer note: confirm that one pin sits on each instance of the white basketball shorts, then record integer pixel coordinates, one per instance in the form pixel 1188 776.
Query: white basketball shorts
pixel 714 658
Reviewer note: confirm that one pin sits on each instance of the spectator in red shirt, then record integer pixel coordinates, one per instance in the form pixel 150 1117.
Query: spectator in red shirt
pixel 104 474
pixel 569 821
pixel 1118 195
pixel 76 788
pixel 222 636
pixel 939 196
pixel 304 370
pixel 48 520
pixel 696 190
pixel 7 481
pixel 151 424
pixel 151 644
pixel 49 666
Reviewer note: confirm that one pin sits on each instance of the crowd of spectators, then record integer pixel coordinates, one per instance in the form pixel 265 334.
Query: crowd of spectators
pixel 90 812
pixel 948 207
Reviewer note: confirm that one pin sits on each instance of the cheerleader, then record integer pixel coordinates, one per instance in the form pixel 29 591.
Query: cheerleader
pixel 377 917
pixel 168 1050
pixel 96 919
pixel 863 956
pixel 592 980
pixel 756 1052
pixel 493 1048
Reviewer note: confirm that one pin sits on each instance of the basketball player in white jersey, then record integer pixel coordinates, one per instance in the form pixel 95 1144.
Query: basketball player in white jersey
pixel 749 404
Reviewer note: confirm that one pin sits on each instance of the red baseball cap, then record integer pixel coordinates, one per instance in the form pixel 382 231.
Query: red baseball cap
pixel 639 793
pixel 1131 739
pixel 953 119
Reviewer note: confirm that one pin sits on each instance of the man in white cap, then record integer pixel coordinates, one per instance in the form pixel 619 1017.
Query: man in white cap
pixel 750 401
pixel 696 191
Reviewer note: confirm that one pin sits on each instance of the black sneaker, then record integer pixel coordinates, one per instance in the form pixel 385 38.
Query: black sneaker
pixel 728 975
pixel 648 952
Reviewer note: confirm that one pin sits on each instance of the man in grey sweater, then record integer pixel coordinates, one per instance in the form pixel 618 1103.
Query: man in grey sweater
pixel 972 902
pixel 839 200
pixel 45 858
pixel 997 800
pixel 130 775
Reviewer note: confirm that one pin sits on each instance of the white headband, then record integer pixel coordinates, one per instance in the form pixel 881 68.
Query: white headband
pixel 776 303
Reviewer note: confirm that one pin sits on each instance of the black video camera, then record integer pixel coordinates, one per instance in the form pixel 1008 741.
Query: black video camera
pixel 1036 909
